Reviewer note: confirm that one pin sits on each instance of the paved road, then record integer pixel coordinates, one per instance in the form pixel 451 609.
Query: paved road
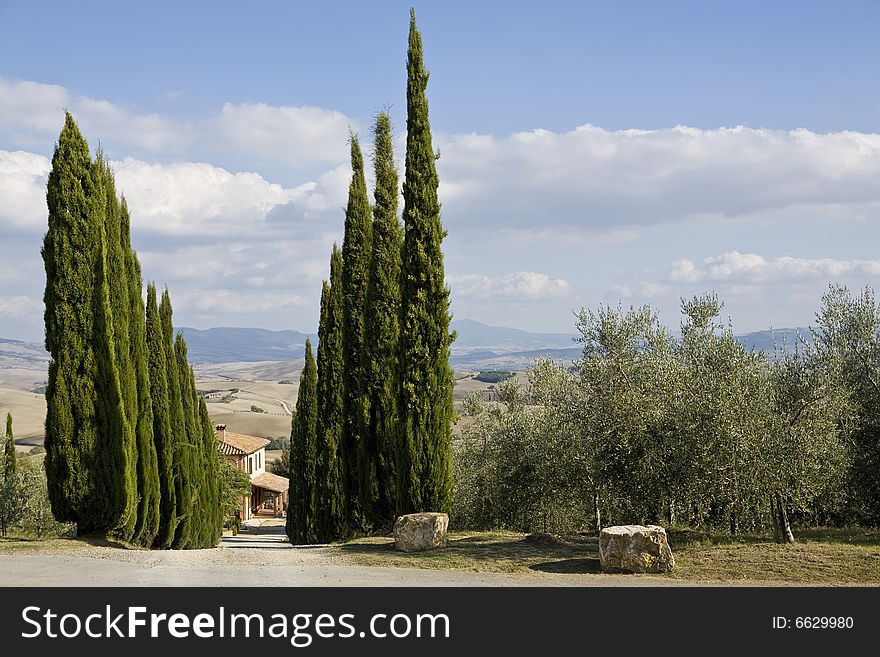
pixel 257 559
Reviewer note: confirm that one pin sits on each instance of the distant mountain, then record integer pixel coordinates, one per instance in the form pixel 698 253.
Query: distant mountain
pixel 768 341
pixel 477 345
pixel 473 336
pixel 230 345
pixel 15 353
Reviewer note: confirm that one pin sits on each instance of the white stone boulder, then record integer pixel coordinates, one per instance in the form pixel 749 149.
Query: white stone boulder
pixel 417 532
pixel 635 549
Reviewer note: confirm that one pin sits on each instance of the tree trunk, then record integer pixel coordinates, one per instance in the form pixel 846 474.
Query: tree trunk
pixel 733 522
pixel 672 512
pixel 781 525
pixel 597 511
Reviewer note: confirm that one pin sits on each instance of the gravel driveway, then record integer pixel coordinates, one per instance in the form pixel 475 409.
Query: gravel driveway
pixel 258 559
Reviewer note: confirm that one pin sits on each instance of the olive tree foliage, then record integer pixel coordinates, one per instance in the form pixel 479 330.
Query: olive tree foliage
pixel 847 344
pixel 648 427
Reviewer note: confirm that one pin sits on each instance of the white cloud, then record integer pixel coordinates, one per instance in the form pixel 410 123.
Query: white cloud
pixel 31 112
pixel 17 307
pixel 23 189
pixel 521 285
pixel 753 268
pixel 192 197
pixel 221 302
pixel 297 135
pixel 32 106
pixel 590 177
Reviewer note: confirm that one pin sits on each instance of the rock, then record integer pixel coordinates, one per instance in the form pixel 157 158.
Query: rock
pixel 635 549
pixel 417 532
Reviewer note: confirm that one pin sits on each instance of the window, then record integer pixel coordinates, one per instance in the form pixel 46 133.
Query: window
pixel 250 465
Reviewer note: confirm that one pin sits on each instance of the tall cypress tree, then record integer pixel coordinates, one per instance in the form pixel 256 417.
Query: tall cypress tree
pixel 157 349
pixel 356 469
pixel 187 452
pixel 147 524
pixel 10 460
pixel 68 254
pixel 329 501
pixel 382 333
pixel 300 526
pixel 110 467
pixel 426 390
pixel 214 513
pixel 180 459
pixel 118 246
pixel 86 433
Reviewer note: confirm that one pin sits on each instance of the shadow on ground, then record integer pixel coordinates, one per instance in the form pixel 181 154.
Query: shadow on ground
pixel 574 554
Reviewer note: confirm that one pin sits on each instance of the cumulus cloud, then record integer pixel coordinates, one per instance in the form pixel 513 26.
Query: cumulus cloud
pixel 521 285
pixel 590 177
pixel 297 135
pixel 23 189
pixel 193 197
pixel 225 301
pixel 16 307
pixel 30 112
pixel 737 267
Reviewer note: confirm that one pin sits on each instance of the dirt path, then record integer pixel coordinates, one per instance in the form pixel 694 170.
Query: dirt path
pixel 251 560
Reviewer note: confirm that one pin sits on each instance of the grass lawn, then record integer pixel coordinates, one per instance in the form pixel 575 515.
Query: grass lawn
pixel 823 557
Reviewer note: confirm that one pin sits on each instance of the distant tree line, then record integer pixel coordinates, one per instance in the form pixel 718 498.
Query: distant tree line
pixel 130 449
pixel 371 432
pixel 695 431
pixel 493 376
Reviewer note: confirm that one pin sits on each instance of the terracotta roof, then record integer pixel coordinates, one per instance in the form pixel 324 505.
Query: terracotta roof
pixel 239 443
pixel 270 482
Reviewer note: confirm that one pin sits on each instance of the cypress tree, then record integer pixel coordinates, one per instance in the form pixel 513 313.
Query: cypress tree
pixel 329 501
pixel 180 458
pixel 87 435
pixel 212 457
pixel 301 509
pixel 358 472
pixel 113 499
pixel 10 460
pixel 187 453
pixel 162 433
pixel 426 387
pixel 68 254
pixel 382 332
pixel 118 246
pixel 147 524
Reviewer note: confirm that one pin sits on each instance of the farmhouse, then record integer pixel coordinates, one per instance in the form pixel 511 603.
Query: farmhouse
pixel 248 453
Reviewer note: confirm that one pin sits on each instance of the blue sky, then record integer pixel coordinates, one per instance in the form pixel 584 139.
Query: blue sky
pixel 591 152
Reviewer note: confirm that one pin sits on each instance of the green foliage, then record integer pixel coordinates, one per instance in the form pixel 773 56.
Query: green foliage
pixel 147 524
pixel 493 376
pixel 381 443
pixel 257 409
pixel 281 465
pixel 157 348
pixel 89 441
pixel 211 494
pixel 69 257
pixel 848 344
pixel 10 460
pixel 426 388
pixel 118 248
pixel 300 526
pixel 234 483
pixel 279 442
pixel 329 501
pixel 694 431
pixel 181 454
pixel 357 471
